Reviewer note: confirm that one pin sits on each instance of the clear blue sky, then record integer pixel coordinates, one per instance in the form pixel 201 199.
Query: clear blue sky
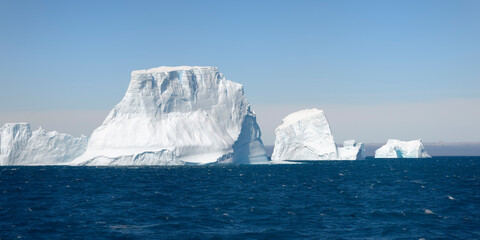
pixel 78 55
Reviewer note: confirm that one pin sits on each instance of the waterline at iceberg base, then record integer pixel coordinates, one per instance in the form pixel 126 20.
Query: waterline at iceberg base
pixel 306 136
pixel 430 198
pixel 176 116
pixel 402 149
pixel 187 115
pixel 19 145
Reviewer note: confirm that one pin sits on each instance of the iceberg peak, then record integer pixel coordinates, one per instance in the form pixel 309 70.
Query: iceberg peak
pixel 164 69
pixel 302 115
pixel 180 114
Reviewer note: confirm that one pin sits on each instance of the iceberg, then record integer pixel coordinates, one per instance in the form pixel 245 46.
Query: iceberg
pixel 175 116
pixel 20 146
pixel 351 151
pixel 306 136
pixel 402 149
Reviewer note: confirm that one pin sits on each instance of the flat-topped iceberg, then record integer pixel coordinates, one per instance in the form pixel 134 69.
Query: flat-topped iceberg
pixel 306 135
pixel 20 146
pixel 178 115
pixel 402 149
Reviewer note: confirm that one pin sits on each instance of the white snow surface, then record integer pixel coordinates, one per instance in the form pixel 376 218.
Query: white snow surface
pixel 306 135
pixel 178 115
pixel 351 151
pixel 20 146
pixel 402 149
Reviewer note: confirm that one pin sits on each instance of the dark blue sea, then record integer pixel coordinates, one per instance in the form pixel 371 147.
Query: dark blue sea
pixel 436 198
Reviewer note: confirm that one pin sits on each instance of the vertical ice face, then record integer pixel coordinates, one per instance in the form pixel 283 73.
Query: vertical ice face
pixel 20 146
pixel 402 149
pixel 351 150
pixel 184 114
pixel 13 140
pixel 304 135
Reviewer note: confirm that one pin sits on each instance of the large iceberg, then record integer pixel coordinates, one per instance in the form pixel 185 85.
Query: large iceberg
pixel 305 135
pixel 402 149
pixel 178 115
pixel 20 146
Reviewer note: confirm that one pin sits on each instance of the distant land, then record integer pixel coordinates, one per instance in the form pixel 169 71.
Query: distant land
pixel 433 149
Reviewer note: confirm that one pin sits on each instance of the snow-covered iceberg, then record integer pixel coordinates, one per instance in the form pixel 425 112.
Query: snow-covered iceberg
pixel 20 146
pixel 306 135
pixel 351 150
pixel 178 115
pixel 402 149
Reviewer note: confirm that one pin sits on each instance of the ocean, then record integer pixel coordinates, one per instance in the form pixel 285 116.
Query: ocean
pixel 437 198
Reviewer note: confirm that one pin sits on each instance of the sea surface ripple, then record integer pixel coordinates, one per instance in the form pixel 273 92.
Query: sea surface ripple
pixel 436 198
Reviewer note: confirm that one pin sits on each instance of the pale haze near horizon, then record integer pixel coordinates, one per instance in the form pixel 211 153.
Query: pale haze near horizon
pixel 379 69
pixel 428 121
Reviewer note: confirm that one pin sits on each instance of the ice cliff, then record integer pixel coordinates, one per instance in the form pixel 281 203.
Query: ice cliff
pixel 402 149
pixel 178 115
pixel 306 135
pixel 351 151
pixel 20 146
